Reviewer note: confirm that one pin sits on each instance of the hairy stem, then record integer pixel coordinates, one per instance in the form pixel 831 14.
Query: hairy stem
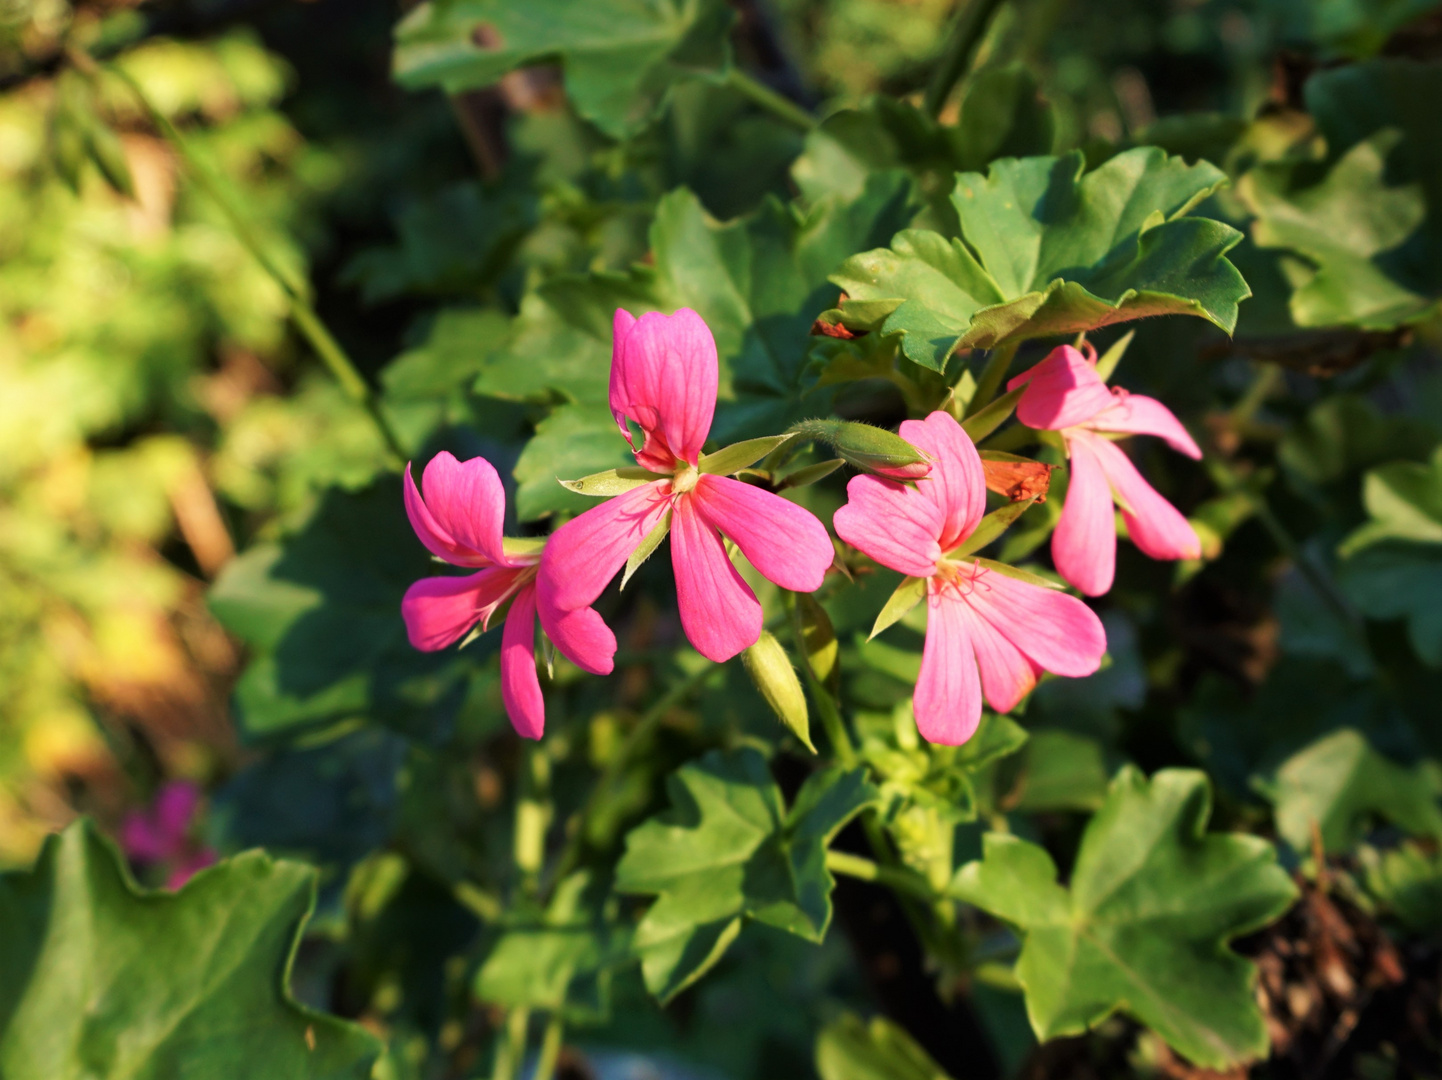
pixel 966 34
pixel 831 719
pixel 784 109
pixel 997 365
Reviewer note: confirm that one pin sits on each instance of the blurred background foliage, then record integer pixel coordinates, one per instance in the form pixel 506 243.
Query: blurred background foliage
pixel 202 551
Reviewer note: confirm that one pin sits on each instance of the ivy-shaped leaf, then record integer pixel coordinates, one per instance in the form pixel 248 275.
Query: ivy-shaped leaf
pixel 98 978
pixel 729 851
pixel 560 959
pixel 1369 228
pixel 1045 250
pixel 1393 564
pixel 1142 927
pixel 853 1049
pixel 1339 783
pixel 621 57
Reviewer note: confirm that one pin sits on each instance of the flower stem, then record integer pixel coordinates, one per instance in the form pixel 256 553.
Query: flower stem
pixel 992 375
pixel 511 1045
pixel 550 1051
pixel 302 312
pixel 840 862
pixel 966 35
pixel 784 109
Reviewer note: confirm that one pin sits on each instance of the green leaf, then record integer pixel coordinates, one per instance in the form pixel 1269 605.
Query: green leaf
pixel 560 959
pixel 728 851
pixel 907 595
pixel 738 456
pixel 1400 581
pixel 1407 880
pixel 1339 783
pixel 1345 434
pixel 322 614
pixel 1405 502
pixel 987 419
pixel 1368 224
pixel 852 1049
pixel 99 978
pixel 993 525
pixel 621 57
pixel 1142 927
pixel 1045 251
pixel 611 482
pixel 1061 770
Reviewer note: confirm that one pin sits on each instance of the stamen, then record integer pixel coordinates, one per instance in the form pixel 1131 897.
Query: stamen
pixel 684 480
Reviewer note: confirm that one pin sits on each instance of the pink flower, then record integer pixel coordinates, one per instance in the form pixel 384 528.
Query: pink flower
pixel 161 835
pixel 979 620
pixel 663 376
pixel 1064 393
pixel 460 521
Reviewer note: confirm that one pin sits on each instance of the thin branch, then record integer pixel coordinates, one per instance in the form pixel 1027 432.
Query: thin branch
pixel 967 33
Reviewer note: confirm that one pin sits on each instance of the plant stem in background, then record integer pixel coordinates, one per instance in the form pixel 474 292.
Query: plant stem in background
pixel 997 365
pixel 550 1048
pixel 970 27
pixel 302 313
pixel 831 719
pixel 780 107
pixel 511 1045
pixel 840 862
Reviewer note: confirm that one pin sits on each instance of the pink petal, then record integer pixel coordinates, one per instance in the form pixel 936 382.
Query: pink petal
pixel 1062 391
pixel 1056 632
pixel 582 635
pixel 441 610
pixel 719 612
pixel 1007 675
pixel 583 555
pixel 1137 414
pixel 783 541
pixel 520 687
pixel 621 325
pixel 175 806
pixel 956 483
pixel 461 515
pixel 668 375
pixel 947 701
pixel 1084 545
pixel 142 840
pixel 895 524
pixel 1155 525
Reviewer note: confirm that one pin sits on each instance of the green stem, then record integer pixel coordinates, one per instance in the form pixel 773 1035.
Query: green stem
pixel 511 1045
pixel 302 313
pixel 782 108
pixel 550 1048
pixel 831 719
pixel 840 862
pixel 966 35
pixel 533 817
pixel 992 375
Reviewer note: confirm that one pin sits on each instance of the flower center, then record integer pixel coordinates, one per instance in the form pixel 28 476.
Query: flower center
pixel 684 480
pixel 961 577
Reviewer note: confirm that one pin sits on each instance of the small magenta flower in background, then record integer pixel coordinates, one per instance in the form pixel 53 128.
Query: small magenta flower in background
pixel 1064 393
pixel 664 375
pixel 459 519
pixel 979 621
pixel 161 836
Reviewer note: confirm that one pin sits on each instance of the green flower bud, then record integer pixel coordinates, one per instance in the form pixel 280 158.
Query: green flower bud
pixel 770 669
pixel 870 449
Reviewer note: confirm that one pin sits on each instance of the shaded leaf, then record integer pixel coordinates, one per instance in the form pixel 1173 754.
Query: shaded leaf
pixel 1339 783
pixel 99 978
pixel 852 1049
pixel 729 851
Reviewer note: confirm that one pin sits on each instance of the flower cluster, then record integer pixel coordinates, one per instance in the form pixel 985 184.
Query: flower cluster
pixel 991 631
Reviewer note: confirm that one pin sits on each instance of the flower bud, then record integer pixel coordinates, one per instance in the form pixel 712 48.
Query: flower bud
pixel 870 449
pixel 770 669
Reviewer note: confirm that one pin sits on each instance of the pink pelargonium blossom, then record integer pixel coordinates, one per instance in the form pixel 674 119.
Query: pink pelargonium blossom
pixel 980 621
pixel 1064 393
pixel 459 519
pixel 664 375
pixel 161 835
